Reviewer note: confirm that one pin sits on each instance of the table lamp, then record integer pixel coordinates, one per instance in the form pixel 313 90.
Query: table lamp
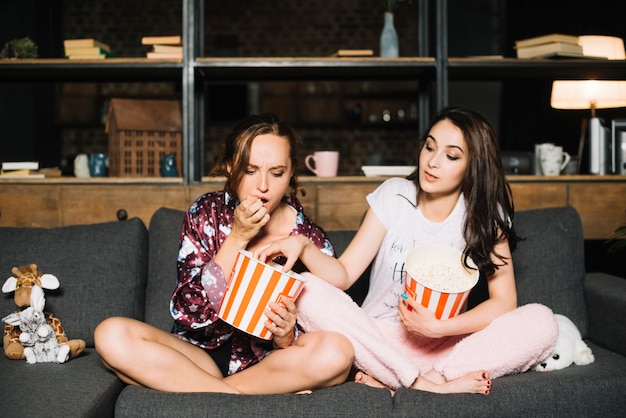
pixel 609 47
pixel 592 94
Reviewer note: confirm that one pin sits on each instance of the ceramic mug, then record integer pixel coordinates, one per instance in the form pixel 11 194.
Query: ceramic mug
pixel 325 163
pixel 97 164
pixel 168 166
pixel 552 159
pixel 538 148
pixel 81 166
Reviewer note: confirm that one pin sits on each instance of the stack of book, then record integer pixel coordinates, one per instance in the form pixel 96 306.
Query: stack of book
pixel 164 47
pixel 21 169
pixel 87 48
pixel 553 45
pixel 27 170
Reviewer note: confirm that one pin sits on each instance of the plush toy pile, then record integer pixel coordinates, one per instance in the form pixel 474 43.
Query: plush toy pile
pixel 570 348
pixel 30 333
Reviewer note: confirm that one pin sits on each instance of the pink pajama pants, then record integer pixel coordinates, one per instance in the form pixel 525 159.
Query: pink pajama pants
pixel 512 343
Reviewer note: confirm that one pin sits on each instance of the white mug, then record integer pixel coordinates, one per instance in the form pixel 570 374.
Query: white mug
pixel 552 159
pixel 81 166
pixel 325 163
pixel 538 148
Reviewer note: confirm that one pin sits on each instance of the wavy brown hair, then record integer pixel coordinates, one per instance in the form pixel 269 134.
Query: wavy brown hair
pixel 488 198
pixel 236 145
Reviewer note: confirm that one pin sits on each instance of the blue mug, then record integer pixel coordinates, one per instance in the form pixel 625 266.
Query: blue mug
pixel 168 166
pixel 97 164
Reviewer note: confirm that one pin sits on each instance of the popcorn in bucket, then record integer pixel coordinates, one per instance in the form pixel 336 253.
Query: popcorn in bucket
pixel 253 285
pixel 437 278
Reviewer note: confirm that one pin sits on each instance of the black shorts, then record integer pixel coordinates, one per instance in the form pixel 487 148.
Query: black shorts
pixel 221 356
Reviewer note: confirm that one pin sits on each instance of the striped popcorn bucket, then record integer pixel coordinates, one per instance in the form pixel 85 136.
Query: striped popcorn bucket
pixel 253 285
pixel 436 278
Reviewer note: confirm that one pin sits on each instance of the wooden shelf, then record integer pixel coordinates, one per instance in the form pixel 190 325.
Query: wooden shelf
pixel 290 68
pixel 93 180
pixel 503 68
pixel 110 69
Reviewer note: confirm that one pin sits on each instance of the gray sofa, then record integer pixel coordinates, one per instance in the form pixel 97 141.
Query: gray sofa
pixel 123 268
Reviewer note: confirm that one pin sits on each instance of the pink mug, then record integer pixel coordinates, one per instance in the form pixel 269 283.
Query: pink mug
pixel 325 163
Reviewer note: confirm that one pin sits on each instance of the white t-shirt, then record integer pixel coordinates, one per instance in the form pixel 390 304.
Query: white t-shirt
pixel 395 205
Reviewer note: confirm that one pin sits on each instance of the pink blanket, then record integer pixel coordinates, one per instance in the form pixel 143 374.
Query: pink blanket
pixel 512 343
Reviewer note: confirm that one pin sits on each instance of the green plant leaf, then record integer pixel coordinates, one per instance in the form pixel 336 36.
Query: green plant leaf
pixel 617 241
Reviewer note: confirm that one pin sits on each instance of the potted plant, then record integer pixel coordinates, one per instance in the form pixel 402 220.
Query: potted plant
pixel 19 48
pixel 617 241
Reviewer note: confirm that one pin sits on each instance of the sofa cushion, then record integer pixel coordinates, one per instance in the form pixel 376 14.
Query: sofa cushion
pixel 101 269
pixel 81 387
pixel 550 263
pixel 605 296
pixel 347 400
pixel 164 234
pixel 595 390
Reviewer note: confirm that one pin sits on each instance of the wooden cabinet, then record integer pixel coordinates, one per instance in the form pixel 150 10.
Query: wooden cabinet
pixel 600 201
pixel 335 203
pixel 84 204
pixel 528 196
pixel 37 205
pixel 602 207
pixel 342 206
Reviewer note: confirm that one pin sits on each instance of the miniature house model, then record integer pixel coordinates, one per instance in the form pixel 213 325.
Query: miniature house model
pixel 141 133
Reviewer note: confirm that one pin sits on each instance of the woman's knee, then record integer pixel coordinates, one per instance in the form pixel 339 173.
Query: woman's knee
pixel 112 335
pixel 108 328
pixel 330 351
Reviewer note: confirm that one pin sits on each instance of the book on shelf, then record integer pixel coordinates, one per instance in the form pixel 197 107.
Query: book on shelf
pixel 50 171
pixel 162 40
pixel 164 55
pixel 22 175
pixel 486 57
pixel 86 57
pixel 31 174
pixel 544 39
pixel 20 165
pixel 20 169
pixel 167 48
pixel 85 42
pixel 353 53
pixel 87 50
pixel 551 49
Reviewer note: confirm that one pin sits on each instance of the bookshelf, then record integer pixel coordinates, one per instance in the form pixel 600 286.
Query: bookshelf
pixel 432 68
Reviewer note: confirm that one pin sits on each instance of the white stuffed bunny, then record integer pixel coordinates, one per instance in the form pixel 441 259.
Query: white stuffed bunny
pixel 38 337
pixel 569 348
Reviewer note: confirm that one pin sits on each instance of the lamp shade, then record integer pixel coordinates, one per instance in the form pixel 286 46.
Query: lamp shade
pixel 610 47
pixel 588 94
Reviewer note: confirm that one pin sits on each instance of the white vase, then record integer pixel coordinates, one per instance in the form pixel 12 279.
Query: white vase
pixel 389 38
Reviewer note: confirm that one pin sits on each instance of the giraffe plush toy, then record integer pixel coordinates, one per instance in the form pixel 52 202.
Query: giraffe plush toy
pixel 37 337
pixel 22 284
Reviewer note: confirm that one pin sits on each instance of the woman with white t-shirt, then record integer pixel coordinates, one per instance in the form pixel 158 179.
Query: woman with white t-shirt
pixel 458 197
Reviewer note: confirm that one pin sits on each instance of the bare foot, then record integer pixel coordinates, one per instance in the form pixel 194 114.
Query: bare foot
pixel 473 382
pixel 368 380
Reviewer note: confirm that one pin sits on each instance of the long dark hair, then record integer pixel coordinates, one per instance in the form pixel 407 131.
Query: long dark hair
pixel 488 198
pixel 235 149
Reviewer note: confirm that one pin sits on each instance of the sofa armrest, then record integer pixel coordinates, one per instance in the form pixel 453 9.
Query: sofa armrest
pixel 606 304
